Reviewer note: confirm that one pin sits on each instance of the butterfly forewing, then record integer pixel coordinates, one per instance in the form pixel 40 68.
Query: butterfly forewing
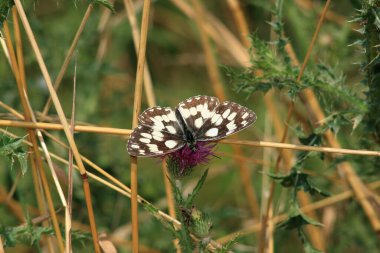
pixel 147 141
pixel 159 133
pixel 228 118
pixel 161 119
pixel 195 111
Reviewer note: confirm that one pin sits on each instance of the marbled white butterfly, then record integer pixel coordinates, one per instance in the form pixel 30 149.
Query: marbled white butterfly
pixel 200 118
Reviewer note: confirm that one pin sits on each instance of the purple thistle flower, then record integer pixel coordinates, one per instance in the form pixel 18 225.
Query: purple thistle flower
pixel 182 161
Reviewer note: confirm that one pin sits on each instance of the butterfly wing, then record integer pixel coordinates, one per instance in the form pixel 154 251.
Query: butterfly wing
pixel 146 141
pixel 158 134
pixel 161 119
pixel 195 111
pixel 228 118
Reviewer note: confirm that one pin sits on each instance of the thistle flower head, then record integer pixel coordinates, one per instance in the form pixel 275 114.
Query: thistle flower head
pixel 182 161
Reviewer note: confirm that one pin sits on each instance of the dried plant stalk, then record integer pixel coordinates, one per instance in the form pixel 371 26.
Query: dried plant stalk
pixel 29 116
pixel 136 112
pixel 62 118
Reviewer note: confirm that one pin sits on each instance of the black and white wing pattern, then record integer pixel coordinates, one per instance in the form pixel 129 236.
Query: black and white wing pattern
pixel 195 111
pixel 161 119
pixel 227 118
pixel 200 118
pixel 158 133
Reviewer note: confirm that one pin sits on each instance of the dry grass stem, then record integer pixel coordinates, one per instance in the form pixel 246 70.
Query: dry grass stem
pixel 19 51
pixel 136 112
pixel 4 47
pixel 62 118
pixel 267 157
pixel 240 21
pixel 68 214
pixel 29 116
pixel 148 83
pixel 219 33
pixel 126 132
pixel 1 246
pixel 53 126
pixel 302 147
pixel 151 99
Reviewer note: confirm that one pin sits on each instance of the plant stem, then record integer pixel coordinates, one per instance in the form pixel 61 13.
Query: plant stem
pixel 370 15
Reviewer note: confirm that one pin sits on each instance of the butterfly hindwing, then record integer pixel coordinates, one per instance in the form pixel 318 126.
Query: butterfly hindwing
pixel 147 141
pixel 195 111
pixel 228 118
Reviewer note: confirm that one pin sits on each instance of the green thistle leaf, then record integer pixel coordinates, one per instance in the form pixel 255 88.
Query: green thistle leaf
pixel 197 188
pixel 228 246
pixel 297 219
pixel 105 3
pixel 309 248
pixel 12 149
pixel 299 181
pixel 5 7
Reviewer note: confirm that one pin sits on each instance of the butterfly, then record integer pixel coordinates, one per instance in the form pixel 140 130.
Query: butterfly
pixel 162 130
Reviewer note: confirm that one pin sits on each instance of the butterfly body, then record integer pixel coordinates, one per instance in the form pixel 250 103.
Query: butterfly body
pixel 162 130
pixel 188 135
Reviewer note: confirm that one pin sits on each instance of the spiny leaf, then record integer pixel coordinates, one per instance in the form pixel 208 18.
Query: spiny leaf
pixel 5 7
pixel 309 248
pixel 31 234
pixel 228 246
pixel 12 149
pixel 357 43
pixel 105 3
pixel 9 239
pixel 312 139
pixel 276 72
pixel 300 181
pixel 191 196
pixel 154 212
pixel 177 193
pixel 376 21
pixel 297 219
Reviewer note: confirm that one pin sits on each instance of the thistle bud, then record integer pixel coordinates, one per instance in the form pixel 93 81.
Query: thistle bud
pixel 200 224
